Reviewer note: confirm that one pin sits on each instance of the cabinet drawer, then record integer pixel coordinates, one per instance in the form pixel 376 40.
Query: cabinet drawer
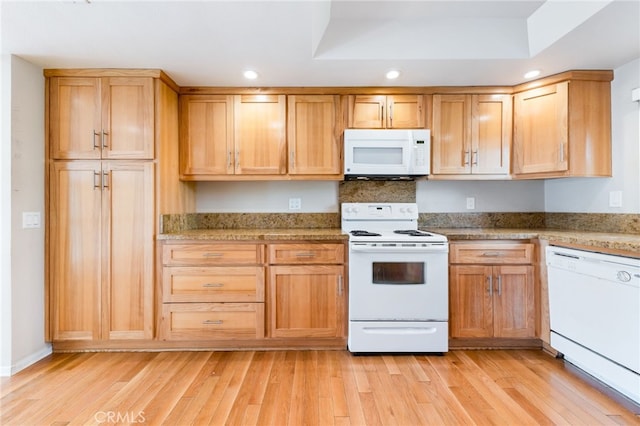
pixel 198 321
pixel 491 253
pixel 213 284
pixel 306 253
pixel 212 254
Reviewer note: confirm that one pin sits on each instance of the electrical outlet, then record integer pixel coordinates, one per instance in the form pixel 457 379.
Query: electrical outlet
pixel 295 203
pixel 471 203
pixel 30 220
pixel 615 199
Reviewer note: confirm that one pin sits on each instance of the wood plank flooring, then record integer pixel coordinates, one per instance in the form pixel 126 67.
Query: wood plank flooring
pixel 501 387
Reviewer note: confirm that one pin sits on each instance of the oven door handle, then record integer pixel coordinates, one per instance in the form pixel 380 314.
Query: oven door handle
pixel 365 248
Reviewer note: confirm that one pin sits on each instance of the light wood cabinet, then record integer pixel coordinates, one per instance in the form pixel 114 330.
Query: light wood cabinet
pixel 111 143
pixel 107 117
pixel 241 137
pixel 212 291
pixel 313 135
pixel 492 290
pixel 386 112
pixel 206 135
pixel 101 263
pixel 232 136
pixel 471 135
pixel 306 292
pixel 563 130
pixel 260 134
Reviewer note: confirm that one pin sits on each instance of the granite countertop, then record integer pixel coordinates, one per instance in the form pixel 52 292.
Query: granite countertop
pixel 629 244
pixel 279 234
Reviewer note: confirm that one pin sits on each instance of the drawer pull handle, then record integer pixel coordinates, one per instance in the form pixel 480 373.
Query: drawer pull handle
pixel 307 254
pixel 212 254
pixel 212 322
pixel 492 254
pixel 211 285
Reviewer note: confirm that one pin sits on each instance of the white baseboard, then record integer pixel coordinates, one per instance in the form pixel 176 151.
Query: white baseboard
pixel 10 370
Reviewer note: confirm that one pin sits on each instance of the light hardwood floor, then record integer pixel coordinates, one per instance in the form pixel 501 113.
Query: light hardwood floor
pixel 514 387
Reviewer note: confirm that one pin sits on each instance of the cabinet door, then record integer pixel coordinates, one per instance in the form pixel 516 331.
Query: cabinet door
pixel 260 134
pixel 451 150
pixel 75 249
pixel 471 306
pixel 540 133
pixel 306 301
pixel 366 112
pixel 491 120
pixel 405 112
pixel 127 118
pixel 206 135
pixel 514 301
pixel 74 118
pixel 128 211
pixel 313 141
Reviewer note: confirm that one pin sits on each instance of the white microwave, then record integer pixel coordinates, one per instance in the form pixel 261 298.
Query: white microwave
pixel 389 153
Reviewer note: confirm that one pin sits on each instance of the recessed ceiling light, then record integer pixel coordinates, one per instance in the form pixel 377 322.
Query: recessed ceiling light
pixel 532 74
pixel 250 75
pixel 393 74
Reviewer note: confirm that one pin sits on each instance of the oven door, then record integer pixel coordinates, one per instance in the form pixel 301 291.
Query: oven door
pixel 398 284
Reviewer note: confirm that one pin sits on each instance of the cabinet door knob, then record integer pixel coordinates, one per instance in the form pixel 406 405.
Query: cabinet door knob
pixel 490 290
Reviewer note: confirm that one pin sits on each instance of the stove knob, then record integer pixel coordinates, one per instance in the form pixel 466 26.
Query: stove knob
pixel 409 209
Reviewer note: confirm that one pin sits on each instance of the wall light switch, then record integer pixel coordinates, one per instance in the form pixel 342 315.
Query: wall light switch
pixel 295 203
pixel 471 203
pixel 31 220
pixel 615 199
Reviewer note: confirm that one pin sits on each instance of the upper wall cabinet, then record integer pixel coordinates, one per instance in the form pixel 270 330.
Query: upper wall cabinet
pixel 206 135
pixel 563 129
pixel 254 137
pixel 101 117
pixel 386 112
pixel 314 135
pixel 225 135
pixel 260 134
pixel 471 136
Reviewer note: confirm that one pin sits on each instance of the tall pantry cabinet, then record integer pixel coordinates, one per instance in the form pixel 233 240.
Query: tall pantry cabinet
pixel 111 141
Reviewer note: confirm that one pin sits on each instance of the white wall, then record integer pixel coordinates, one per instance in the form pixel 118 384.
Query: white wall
pixel 266 197
pixel 592 195
pixel 489 196
pixel 5 215
pixel 24 281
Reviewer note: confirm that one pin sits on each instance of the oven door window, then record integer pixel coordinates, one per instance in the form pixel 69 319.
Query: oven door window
pixel 399 273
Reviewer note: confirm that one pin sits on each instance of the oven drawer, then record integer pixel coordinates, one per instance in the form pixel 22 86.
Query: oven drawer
pixel 398 336
pixel 213 284
pixel 491 253
pixel 306 253
pixel 195 321
pixel 212 254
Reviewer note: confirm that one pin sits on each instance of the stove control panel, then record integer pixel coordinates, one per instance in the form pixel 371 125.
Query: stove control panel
pixel 379 211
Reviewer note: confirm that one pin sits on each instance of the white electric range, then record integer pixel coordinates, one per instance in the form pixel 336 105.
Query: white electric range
pixel 398 280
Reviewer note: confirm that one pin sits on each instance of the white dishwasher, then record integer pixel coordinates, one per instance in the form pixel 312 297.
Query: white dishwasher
pixel 594 308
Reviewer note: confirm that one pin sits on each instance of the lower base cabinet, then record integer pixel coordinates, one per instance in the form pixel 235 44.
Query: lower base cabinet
pixel 194 321
pixel 492 290
pixel 306 301
pixel 253 294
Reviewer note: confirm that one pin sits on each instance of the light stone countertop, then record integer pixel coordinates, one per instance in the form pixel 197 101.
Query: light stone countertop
pixel 276 234
pixel 628 244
